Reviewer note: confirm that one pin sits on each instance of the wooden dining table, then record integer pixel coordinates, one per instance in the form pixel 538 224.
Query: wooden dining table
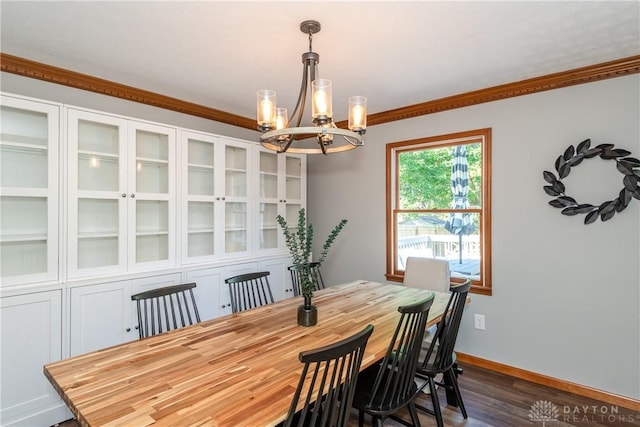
pixel 237 370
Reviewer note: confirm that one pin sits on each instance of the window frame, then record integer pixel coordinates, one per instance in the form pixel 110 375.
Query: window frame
pixel 393 150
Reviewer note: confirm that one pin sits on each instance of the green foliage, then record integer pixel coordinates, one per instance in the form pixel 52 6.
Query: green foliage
pixel 425 177
pixel 299 242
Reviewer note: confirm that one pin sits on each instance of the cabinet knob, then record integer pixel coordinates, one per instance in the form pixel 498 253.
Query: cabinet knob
pixel 124 194
pixel 133 195
pixel 128 329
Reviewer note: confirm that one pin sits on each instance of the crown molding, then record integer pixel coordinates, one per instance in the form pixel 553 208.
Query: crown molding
pixel 592 73
pixel 606 70
pixel 27 68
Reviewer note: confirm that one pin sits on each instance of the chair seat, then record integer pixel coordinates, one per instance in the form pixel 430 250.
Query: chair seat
pixel 429 367
pixel 364 388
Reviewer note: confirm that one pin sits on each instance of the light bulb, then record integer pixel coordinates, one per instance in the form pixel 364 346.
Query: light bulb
pixel 281 118
pixel 357 113
pixel 266 108
pixel 320 99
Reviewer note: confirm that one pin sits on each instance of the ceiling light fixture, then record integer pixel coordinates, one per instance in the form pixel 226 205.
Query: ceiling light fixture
pixel 274 122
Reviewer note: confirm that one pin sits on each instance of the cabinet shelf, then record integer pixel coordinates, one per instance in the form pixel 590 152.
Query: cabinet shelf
pixel 23 143
pixel 151 161
pixel 88 153
pixel 198 166
pixel 15 238
pixel 23 193
pixel 15 139
pixel 235 170
pixel 152 233
pixel 97 235
pixel 201 230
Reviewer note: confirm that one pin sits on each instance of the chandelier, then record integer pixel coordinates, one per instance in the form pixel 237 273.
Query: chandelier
pixel 274 122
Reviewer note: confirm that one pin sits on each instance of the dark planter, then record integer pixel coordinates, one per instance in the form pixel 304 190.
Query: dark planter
pixel 307 315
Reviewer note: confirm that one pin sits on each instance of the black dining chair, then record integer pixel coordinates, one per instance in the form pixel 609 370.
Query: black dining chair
pixel 313 269
pixel 386 387
pixel 327 383
pixel 249 290
pixel 440 357
pixel 163 309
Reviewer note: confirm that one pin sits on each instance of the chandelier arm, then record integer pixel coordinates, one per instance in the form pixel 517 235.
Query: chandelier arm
pixel 302 97
pixel 289 142
pixel 353 141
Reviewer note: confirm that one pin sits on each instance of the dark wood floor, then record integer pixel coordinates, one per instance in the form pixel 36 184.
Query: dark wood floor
pixel 497 400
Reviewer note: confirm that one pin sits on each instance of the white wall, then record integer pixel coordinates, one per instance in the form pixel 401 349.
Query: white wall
pixel 566 296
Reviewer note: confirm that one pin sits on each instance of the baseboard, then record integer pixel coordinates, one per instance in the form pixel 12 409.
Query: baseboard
pixel 580 390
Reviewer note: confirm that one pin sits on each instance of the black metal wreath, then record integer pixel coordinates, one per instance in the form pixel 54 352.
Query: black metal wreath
pixel 628 166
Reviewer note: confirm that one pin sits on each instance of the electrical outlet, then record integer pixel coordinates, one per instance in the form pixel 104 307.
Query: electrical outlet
pixel 479 321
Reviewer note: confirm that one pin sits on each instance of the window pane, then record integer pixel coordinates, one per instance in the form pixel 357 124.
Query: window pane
pixel 441 236
pixel 443 177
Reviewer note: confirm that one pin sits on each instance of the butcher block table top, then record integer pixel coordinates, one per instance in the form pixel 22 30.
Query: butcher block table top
pixel 236 370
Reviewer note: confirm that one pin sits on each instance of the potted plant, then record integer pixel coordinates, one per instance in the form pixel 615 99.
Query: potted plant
pixel 299 241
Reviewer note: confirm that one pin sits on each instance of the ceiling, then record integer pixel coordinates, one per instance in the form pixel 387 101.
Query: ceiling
pixel 396 53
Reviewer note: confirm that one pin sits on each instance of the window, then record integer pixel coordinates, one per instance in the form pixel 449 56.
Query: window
pixel 439 204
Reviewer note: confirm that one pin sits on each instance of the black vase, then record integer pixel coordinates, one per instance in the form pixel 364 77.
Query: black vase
pixel 307 313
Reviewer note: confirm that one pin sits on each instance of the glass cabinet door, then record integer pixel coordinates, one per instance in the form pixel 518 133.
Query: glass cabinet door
pixel 269 193
pixel 97 193
pixel 199 190
pixel 235 199
pixel 152 194
pixel 28 190
pixel 281 192
pixel 294 188
pixel 121 194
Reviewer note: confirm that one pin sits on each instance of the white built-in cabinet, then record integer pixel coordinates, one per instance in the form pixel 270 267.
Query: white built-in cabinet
pixel 122 195
pixel 28 191
pixel 31 309
pixel 211 285
pixel 31 337
pixel 216 197
pixel 103 315
pixel 210 282
pixel 282 192
pixel 96 207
